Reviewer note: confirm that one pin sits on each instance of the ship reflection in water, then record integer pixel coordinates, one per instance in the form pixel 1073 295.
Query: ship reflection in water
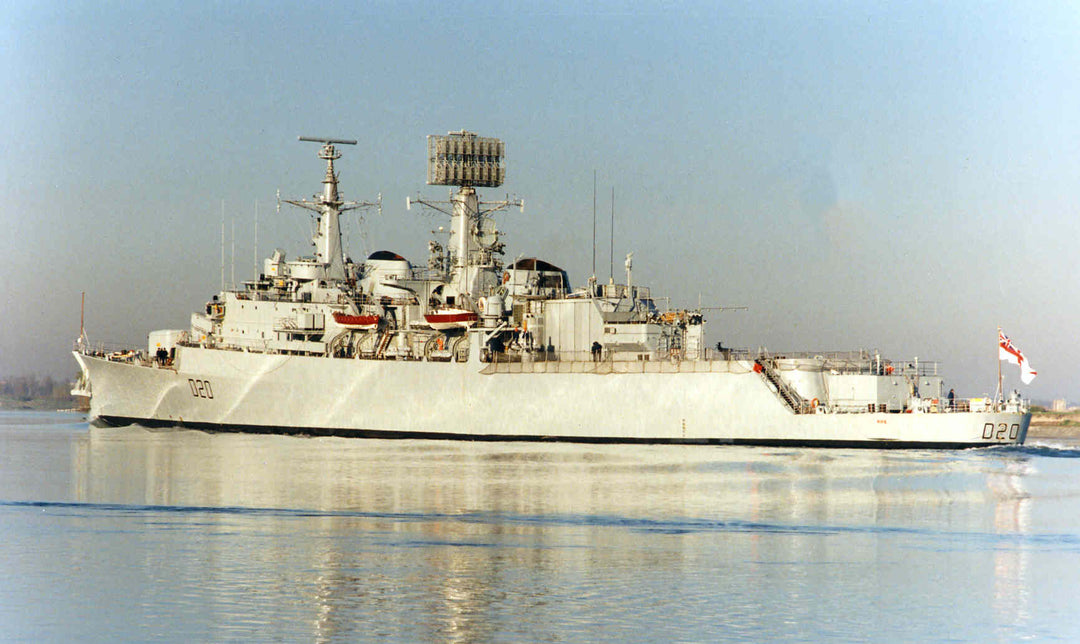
pixel 187 536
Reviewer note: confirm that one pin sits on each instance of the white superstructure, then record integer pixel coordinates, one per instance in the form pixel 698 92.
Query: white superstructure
pixel 465 346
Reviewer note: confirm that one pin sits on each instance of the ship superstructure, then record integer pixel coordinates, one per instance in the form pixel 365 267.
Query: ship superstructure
pixel 467 345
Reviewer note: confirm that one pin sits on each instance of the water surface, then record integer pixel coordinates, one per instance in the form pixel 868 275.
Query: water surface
pixel 137 534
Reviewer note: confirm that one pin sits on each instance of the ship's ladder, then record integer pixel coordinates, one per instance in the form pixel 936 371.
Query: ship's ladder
pixel 768 369
pixel 384 341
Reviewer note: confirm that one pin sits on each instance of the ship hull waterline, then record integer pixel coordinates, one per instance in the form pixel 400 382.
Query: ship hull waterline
pixel 232 391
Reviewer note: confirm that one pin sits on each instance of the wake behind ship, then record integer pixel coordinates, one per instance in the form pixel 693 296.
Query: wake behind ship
pixel 465 346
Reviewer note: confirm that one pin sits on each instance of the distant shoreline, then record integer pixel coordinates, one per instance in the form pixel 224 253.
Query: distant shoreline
pixel 1055 424
pixel 38 404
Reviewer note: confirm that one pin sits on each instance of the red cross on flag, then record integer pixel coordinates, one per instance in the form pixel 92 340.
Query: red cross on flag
pixel 1007 351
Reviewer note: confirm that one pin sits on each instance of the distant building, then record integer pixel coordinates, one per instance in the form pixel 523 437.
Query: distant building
pixel 1058 405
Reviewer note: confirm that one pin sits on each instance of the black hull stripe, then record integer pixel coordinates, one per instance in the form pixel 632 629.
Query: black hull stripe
pixel 119 421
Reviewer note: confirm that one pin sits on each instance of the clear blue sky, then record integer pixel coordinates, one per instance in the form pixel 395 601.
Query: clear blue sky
pixel 898 177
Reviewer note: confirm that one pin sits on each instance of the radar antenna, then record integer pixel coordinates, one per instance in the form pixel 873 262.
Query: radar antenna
pixel 329 206
pixel 330 183
pixel 468 161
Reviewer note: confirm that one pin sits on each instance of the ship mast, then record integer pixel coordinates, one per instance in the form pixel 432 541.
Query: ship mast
pixel 468 161
pixel 328 206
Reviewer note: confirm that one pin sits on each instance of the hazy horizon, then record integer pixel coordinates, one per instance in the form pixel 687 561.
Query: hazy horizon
pixel 900 178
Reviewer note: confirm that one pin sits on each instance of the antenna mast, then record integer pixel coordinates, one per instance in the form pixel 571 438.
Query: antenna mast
pixel 611 256
pixel 328 206
pixel 468 161
pixel 594 224
pixel 222 244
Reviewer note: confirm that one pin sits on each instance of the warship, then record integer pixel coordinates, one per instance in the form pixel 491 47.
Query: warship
pixel 465 346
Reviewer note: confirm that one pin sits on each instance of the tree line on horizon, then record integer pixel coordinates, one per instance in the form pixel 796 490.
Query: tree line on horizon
pixel 27 388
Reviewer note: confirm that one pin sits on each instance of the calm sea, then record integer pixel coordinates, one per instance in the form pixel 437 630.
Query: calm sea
pixel 133 535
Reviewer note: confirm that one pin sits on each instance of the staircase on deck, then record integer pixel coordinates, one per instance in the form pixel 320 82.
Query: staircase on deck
pixel 769 370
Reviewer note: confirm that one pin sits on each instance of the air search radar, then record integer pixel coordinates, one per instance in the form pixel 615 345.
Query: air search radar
pixel 465 159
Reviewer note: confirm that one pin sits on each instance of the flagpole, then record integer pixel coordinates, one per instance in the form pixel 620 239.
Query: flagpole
pixel 998 397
